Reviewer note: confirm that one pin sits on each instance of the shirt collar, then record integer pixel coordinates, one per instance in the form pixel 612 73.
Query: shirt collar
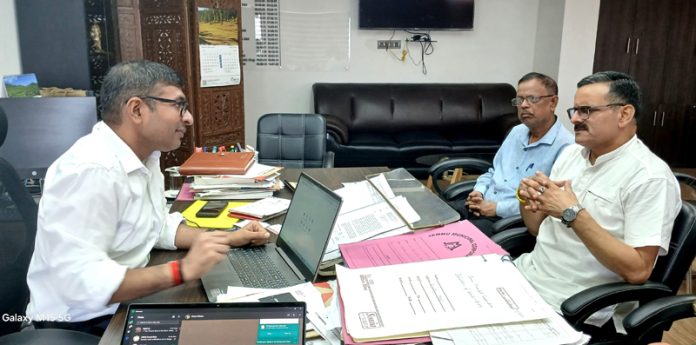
pixel 547 139
pixel 609 155
pixel 128 159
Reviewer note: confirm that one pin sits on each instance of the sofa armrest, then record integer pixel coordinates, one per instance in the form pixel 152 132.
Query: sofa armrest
pixel 337 128
pixel 328 159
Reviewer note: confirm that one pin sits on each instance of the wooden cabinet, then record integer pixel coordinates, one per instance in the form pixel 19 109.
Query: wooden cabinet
pixel 166 31
pixel 655 42
pixel 69 43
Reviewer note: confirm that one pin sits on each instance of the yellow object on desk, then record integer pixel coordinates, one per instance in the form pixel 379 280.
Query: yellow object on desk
pixel 223 221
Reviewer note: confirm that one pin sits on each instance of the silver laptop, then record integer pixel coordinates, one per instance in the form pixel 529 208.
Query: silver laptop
pixel 296 255
pixel 215 323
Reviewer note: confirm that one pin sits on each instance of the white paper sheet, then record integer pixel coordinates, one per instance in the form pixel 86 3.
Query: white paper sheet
pixel 413 298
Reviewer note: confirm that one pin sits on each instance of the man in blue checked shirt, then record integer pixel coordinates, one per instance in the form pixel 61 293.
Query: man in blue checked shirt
pixel 530 146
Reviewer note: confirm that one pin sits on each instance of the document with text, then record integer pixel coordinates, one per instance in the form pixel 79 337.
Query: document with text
pixel 550 331
pixel 405 300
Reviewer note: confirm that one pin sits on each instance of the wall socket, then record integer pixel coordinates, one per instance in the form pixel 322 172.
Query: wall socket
pixel 388 44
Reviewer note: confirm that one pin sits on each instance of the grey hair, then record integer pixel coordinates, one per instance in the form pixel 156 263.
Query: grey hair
pixel 130 79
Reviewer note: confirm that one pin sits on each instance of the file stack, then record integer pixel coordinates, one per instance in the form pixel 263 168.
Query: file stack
pixel 258 182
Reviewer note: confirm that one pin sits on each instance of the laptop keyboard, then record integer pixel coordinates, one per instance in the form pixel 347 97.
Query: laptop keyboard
pixel 256 269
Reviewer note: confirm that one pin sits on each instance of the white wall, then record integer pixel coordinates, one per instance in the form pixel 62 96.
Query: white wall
pixel 548 37
pixel 500 48
pixel 509 39
pixel 577 50
pixel 9 43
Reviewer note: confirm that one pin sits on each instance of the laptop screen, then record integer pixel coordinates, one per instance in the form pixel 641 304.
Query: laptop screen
pixel 215 323
pixel 308 223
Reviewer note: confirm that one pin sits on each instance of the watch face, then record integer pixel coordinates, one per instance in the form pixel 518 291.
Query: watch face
pixel 568 214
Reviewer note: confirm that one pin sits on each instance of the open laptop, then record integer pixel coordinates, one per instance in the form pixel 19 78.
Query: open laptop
pixel 295 256
pixel 215 323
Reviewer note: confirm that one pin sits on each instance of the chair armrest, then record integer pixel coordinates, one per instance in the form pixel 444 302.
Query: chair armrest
pixel 337 128
pixel 647 323
pixel 515 241
pixel 686 179
pixel 329 159
pixel 508 223
pixel 459 190
pixel 580 306
pixel 467 164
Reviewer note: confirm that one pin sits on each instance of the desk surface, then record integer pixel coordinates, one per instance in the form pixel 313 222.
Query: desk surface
pixel 193 291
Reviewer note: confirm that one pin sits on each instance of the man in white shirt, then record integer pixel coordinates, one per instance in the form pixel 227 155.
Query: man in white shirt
pixel 606 211
pixel 103 208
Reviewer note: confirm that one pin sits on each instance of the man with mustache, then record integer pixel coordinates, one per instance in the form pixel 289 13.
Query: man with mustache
pixel 530 146
pixel 606 211
pixel 103 208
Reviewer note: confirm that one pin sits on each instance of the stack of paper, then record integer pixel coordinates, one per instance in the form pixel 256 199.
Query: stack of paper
pixel 410 300
pixel 258 182
pixel 262 209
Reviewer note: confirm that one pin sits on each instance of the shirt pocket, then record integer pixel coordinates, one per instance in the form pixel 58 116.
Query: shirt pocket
pixel 605 208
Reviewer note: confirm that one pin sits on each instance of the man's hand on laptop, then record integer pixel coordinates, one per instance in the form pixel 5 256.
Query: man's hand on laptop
pixel 252 234
pixel 207 250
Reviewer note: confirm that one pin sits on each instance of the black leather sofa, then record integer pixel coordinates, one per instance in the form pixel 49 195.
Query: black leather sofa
pixel 411 125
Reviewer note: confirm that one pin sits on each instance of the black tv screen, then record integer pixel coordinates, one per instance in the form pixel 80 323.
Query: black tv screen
pixel 416 14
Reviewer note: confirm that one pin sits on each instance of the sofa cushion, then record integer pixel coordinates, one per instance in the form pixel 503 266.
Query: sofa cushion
pixel 396 124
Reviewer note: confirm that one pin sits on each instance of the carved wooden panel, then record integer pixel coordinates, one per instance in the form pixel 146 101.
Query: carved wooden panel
pixel 168 33
pixel 129 30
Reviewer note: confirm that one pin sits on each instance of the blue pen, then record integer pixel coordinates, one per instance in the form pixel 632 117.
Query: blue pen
pixel 531 165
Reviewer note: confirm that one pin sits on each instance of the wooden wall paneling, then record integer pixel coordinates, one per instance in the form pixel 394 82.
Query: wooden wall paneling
pixel 129 29
pixel 221 111
pixel 165 32
pixel 614 35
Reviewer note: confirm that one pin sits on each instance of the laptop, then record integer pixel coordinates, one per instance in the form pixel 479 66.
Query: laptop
pixel 296 255
pixel 215 323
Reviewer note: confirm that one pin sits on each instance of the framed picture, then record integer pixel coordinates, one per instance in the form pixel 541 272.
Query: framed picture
pixel 22 85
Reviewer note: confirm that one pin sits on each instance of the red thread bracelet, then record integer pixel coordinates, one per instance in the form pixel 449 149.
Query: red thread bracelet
pixel 175 267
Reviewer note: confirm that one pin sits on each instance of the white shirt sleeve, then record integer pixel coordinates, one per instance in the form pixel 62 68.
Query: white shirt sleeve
pixel 78 227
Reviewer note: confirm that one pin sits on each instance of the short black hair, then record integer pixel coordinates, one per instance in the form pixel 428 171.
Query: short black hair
pixel 622 88
pixel 545 80
pixel 130 79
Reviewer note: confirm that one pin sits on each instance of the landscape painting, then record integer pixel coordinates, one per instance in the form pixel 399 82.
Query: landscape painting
pixel 23 85
pixel 217 26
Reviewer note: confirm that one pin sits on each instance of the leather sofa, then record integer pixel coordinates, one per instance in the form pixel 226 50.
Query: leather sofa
pixel 413 125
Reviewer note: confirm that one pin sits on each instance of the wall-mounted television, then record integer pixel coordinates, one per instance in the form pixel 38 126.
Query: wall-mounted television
pixel 416 14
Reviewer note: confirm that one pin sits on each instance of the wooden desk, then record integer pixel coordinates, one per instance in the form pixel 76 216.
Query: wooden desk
pixel 193 291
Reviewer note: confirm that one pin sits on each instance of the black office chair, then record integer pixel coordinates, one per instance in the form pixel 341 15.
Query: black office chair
pixel 17 233
pixel 647 323
pixel 455 194
pixel 293 141
pixel 664 281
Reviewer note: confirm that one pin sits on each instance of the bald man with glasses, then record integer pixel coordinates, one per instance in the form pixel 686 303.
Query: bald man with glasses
pixel 530 146
pixel 605 212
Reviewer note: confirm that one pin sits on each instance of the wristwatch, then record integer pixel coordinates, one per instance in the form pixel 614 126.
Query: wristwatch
pixel 570 213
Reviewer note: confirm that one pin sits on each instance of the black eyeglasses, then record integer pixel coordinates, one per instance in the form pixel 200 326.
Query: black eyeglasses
pixel 181 104
pixel 517 101
pixel 585 111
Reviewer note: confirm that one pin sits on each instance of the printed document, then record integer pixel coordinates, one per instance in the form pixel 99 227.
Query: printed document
pixel 405 300
pixel 551 331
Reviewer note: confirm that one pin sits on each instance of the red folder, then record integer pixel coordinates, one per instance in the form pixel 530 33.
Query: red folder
pixel 220 163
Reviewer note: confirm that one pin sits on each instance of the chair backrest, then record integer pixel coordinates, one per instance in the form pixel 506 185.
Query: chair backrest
pixel 671 268
pixel 292 140
pixel 17 233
